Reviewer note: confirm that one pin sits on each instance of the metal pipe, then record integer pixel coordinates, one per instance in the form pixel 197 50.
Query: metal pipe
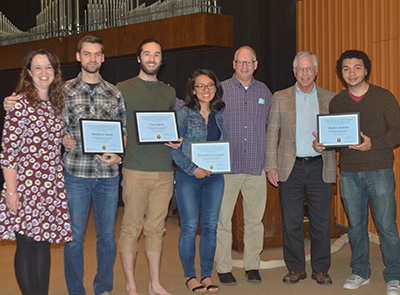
pixel 56 17
pixel 77 16
pixel 61 15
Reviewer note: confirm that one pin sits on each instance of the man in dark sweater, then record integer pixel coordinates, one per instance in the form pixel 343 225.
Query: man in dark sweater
pixel 367 169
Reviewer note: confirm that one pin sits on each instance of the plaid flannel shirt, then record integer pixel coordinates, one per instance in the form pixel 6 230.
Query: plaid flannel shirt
pixel 104 102
pixel 245 117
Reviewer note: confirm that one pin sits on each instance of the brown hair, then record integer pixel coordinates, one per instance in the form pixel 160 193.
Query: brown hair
pixel 90 39
pixel 26 87
pixel 147 41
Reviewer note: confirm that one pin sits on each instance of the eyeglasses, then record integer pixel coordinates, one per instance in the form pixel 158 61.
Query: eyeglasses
pixel 202 87
pixel 248 63
pixel 307 69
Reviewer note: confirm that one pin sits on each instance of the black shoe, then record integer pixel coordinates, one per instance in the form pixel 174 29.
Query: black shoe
pixel 253 276
pixel 227 278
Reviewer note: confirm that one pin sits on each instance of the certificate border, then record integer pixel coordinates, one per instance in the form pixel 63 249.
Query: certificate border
pixel 135 115
pixel 119 122
pixel 340 114
pixel 215 143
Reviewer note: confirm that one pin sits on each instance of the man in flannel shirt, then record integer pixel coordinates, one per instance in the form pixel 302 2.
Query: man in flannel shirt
pixel 88 177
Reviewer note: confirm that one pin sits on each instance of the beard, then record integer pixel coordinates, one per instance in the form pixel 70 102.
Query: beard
pixel 92 68
pixel 150 72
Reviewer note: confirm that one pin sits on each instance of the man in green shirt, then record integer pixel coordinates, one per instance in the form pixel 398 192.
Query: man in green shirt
pixel 147 171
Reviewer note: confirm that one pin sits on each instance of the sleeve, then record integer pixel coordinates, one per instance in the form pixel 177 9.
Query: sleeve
pixel 122 112
pixel 173 99
pixel 333 106
pixel 179 104
pixel 268 103
pixel 271 151
pixel 178 156
pixel 391 114
pixel 13 136
pixel 65 115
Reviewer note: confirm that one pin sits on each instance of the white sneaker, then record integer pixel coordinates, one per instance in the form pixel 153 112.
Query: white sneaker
pixel 393 287
pixel 355 282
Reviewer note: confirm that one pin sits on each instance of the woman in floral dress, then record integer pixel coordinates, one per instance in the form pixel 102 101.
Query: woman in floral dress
pixel 33 206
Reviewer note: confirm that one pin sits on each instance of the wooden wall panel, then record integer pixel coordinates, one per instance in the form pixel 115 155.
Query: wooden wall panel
pixel 329 27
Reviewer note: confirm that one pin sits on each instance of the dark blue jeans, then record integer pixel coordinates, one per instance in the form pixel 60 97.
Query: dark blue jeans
pixel 198 198
pixel 377 187
pixel 103 193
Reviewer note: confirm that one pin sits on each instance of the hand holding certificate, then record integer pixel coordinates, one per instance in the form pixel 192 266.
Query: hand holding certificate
pixel 156 127
pixel 339 130
pixel 212 156
pixel 101 136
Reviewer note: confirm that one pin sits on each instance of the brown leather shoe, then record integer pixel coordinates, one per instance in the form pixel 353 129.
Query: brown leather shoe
pixel 294 277
pixel 322 278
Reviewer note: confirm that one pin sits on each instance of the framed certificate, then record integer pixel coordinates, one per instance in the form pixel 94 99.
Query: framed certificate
pixel 214 156
pixel 156 127
pixel 339 130
pixel 101 136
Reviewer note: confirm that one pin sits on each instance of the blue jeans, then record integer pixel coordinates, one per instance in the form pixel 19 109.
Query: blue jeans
pixel 377 187
pixel 198 197
pixel 103 193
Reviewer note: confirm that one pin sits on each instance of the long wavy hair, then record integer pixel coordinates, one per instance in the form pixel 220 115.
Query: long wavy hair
pixel 26 87
pixel 191 100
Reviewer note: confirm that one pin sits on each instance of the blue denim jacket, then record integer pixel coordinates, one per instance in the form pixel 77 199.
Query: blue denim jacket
pixel 192 127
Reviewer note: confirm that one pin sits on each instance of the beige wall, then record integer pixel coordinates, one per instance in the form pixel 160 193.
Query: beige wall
pixel 329 27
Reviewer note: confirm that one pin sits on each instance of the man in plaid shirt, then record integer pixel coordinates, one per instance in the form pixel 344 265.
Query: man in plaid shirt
pixel 245 117
pixel 89 177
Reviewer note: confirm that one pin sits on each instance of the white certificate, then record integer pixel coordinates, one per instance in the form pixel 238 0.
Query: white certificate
pixel 214 156
pixel 156 127
pixel 101 136
pixel 339 130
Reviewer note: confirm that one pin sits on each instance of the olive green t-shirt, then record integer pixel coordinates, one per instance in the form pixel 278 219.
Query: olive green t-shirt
pixel 140 95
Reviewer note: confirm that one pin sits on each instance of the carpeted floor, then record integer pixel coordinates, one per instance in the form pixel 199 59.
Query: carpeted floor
pixel 172 274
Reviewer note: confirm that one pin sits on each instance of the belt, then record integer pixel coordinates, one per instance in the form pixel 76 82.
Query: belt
pixel 307 159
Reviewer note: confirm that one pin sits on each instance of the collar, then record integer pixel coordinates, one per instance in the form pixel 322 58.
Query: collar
pixel 101 81
pixel 237 82
pixel 300 93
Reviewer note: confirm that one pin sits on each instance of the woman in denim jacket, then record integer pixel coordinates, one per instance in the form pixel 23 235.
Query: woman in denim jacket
pixel 199 193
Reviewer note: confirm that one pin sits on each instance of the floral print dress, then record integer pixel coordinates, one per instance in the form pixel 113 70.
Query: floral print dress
pixel 31 144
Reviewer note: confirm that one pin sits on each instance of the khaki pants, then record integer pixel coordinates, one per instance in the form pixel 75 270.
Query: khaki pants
pixel 254 192
pixel 146 196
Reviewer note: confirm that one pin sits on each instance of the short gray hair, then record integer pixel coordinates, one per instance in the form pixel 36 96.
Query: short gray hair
pixel 302 54
pixel 253 52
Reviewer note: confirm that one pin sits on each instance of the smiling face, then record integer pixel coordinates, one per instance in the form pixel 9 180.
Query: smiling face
pixel 41 71
pixel 353 72
pixel 150 59
pixel 305 74
pixel 204 89
pixel 244 65
pixel 91 57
